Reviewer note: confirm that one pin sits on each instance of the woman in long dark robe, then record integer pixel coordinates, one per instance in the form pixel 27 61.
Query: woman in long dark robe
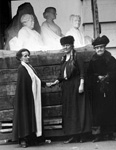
pixel 102 77
pixel 76 111
pixel 27 120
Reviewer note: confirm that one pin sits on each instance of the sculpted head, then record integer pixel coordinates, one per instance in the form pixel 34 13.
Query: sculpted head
pixel 75 20
pixel 50 12
pixel 27 20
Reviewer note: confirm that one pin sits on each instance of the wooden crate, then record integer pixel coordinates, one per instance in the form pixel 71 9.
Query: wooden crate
pixel 47 65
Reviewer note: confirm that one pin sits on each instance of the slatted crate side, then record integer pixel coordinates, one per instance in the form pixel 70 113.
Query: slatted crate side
pixel 49 73
pixel 51 99
pixel 8 75
pixel 47 66
pixel 6 102
pixel 52 120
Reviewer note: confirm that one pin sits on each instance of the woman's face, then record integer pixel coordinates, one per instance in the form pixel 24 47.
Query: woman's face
pixel 67 48
pixel 100 49
pixel 25 57
pixel 76 22
pixel 29 23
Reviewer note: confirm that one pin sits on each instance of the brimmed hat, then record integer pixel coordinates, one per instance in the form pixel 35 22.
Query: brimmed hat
pixel 67 40
pixel 101 41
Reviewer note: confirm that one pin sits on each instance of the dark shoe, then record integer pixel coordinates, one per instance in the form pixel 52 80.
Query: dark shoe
pixel 96 139
pixel 24 144
pixel 71 140
pixel 82 140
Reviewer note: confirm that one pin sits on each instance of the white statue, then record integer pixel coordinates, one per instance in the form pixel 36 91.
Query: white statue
pixel 17 27
pixel 75 31
pixel 50 31
pixel 27 37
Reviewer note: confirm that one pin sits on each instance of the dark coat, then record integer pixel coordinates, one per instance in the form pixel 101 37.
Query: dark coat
pixel 76 115
pixel 103 93
pixel 24 123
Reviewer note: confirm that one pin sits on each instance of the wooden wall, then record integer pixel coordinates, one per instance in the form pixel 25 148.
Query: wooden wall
pixel 107 19
pixel 47 65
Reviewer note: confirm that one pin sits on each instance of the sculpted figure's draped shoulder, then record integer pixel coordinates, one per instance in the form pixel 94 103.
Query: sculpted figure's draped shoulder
pixel 24 30
pixel 50 31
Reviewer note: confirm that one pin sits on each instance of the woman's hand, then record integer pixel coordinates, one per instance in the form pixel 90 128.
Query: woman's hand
pixel 81 86
pixel 49 84
pixel 52 83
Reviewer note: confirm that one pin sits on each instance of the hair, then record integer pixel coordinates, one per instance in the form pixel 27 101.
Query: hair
pixel 19 53
pixel 47 10
pixel 72 16
pixel 26 17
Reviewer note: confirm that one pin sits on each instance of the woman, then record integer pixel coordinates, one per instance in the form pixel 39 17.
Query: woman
pixel 50 31
pixel 27 121
pixel 102 76
pixel 15 25
pixel 75 31
pixel 75 111
pixel 27 37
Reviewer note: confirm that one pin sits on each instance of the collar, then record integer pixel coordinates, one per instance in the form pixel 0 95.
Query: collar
pixel 106 56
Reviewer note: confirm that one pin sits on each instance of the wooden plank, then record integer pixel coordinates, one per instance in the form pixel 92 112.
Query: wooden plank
pixel 6 102
pixel 52 89
pixel 48 72
pixel 6 115
pixel 50 99
pixel 5 136
pixel 52 121
pixel 45 73
pixel 53 133
pixel 7 89
pixel 52 127
pixel 48 112
pixel 8 60
pixel 52 111
pixel 8 75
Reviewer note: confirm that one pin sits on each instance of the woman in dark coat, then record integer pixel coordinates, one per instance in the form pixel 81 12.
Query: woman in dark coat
pixel 102 77
pixel 76 117
pixel 27 121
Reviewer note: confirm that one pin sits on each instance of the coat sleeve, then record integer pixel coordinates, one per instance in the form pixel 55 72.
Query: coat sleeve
pixel 80 63
pixel 112 69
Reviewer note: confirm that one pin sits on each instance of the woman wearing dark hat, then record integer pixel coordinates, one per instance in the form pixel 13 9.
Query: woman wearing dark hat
pixel 102 76
pixel 71 77
pixel 27 120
